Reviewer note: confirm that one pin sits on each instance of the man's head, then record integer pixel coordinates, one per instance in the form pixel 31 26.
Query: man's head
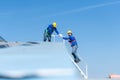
pixel 69 32
pixel 54 24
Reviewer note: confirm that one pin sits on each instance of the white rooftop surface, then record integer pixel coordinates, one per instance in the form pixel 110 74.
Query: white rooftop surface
pixel 44 61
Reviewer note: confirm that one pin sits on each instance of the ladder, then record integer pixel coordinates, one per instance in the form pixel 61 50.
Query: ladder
pixel 84 74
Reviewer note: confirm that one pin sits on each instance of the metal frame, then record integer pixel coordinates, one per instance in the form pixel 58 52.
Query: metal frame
pixel 54 38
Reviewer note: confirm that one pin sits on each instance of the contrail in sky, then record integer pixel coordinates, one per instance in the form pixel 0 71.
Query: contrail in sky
pixel 87 8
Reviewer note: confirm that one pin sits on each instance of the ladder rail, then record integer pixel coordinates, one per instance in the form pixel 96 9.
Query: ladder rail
pixel 86 66
pixel 85 75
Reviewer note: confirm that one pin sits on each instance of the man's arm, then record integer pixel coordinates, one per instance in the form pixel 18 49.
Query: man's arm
pixel 56 31
pixel 65 38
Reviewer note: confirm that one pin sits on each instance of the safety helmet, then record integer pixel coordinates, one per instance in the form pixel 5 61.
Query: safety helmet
pixel 54 24
pixel 69 32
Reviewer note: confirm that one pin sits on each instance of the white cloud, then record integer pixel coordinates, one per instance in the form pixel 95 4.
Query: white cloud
pixel 87 8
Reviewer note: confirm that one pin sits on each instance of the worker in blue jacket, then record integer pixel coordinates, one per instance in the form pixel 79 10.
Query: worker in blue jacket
pixel 71 39
pixel 48 32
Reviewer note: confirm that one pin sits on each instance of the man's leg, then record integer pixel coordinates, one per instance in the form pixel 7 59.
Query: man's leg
pixel 74 53
pixel 49 38
pixel 45 36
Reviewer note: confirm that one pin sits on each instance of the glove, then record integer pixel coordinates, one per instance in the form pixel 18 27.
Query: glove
pixel 60 35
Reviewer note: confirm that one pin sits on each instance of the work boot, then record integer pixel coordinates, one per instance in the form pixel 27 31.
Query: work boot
pixel 77 60
pixel 44 40
pixel 49 40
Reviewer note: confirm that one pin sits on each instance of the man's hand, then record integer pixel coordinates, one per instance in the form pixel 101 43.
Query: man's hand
pixel 60 35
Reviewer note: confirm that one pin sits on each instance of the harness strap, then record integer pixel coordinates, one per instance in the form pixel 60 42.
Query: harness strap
pixel 72 41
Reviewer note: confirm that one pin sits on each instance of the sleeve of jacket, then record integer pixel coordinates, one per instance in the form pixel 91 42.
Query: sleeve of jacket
pixel 56 31
pixel 65 38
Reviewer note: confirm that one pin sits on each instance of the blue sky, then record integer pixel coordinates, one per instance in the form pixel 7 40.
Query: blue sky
pixel 94 23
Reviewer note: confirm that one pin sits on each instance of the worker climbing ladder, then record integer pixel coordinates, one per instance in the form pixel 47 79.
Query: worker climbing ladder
pixel 84 70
